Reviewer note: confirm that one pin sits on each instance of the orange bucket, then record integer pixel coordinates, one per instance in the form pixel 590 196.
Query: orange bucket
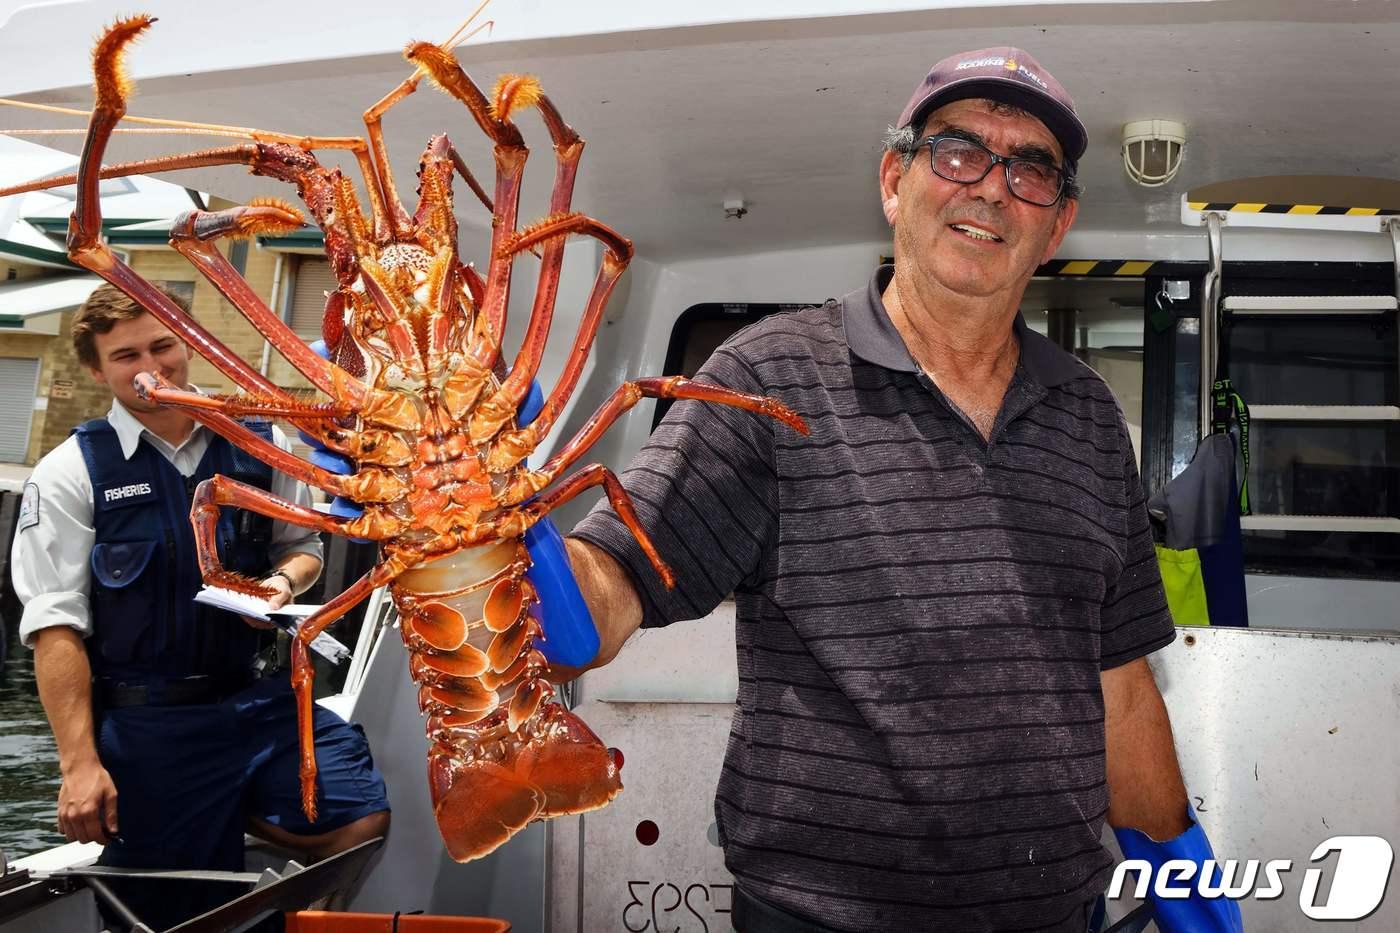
pixel 328 921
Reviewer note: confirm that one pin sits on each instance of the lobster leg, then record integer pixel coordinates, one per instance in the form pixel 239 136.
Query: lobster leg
pixel 568 148
pixel 368 485
pixel 95 256
pixel 494 119
pixel 464 385
pixel 328 194
pixel 622 399
pixel 85 244
pixel 192 234
pixel 395 218
pixel 596 474
pixel 219 491
pixel 303 675
pixel 492 414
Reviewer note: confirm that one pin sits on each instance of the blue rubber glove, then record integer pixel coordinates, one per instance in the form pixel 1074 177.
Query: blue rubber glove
pixel 1192 914
pixel 332 462
pixel 570 637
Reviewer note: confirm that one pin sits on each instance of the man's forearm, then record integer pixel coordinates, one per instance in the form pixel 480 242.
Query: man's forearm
pixel 1144 779
pixel 64 678
pixel 304 569
pixel 608 592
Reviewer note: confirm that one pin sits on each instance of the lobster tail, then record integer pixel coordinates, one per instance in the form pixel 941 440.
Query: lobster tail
pixel 502 753
pixel 478 805
pixel 560 768
pixel 570 765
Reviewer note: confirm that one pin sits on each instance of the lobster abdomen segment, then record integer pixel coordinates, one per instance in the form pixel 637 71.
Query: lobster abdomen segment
pixel 502 753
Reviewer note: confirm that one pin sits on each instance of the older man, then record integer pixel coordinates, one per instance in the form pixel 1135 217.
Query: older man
pixel 945 594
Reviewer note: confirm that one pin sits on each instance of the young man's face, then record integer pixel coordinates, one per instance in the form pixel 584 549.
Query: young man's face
pixel 139 345
pixel 976 240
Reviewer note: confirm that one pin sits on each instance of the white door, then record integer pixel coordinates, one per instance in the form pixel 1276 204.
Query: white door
pixel 19 380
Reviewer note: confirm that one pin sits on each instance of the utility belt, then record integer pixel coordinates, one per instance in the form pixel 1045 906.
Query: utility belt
pixel 114 693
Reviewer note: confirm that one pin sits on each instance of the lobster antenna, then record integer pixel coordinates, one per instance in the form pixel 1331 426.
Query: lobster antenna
pixel 457 38
pixel 484 27
pixel 153 121
pixel 214 129
pixel 83 131
pixel 177 127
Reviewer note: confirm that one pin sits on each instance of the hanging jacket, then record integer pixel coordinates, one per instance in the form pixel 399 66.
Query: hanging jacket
pixel 1200 549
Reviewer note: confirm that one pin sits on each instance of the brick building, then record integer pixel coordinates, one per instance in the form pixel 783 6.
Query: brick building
pixel 40 291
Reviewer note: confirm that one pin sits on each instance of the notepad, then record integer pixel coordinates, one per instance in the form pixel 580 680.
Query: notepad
pixel 288 618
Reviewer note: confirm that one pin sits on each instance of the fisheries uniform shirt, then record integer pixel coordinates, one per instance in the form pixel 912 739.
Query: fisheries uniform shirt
pixel 923 617
pixel 55 531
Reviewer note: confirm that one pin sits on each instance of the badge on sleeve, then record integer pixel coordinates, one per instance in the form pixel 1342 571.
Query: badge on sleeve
pixel 29 507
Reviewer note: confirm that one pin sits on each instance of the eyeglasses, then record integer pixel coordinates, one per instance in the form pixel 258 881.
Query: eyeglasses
pixel 966 162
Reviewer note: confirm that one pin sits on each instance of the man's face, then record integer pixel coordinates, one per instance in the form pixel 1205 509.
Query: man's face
pixel 976 240
pixel 139 345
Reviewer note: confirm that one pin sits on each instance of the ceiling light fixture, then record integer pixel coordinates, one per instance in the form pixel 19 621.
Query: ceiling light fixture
pixel 1152 151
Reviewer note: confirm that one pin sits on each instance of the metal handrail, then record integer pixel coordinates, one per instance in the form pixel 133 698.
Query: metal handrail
pixel 1210 312
pixel 1392 226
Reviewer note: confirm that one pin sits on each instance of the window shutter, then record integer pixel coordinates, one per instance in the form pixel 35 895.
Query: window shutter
pixel 313 281
pixel 19 378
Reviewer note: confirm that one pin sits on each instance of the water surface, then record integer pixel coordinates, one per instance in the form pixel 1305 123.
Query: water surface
pixel 28 761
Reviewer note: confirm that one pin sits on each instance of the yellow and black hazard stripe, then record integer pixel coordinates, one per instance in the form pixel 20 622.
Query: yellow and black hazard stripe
pixel 1098 268
pixel 1321 210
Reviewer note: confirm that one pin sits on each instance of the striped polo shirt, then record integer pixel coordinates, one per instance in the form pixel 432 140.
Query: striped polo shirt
pixel 918 743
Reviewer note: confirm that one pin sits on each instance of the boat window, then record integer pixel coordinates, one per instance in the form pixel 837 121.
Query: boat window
pixel 1100 320
pixel 700 330
pixel 1323 390
pixel 1334 360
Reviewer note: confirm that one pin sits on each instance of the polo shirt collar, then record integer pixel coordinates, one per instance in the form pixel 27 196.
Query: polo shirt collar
pixel 872 337
pixel 130 431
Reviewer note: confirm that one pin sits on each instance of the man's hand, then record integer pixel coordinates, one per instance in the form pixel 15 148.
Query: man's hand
pixel 87 798
pixel 283 587
pixel 1147 800
pixel 277 600
pixel 87 803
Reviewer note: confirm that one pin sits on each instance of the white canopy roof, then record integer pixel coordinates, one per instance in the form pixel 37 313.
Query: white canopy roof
pixel 45 296
pixel 782 102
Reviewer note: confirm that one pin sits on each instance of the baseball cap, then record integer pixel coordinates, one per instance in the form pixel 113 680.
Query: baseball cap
pixel 1004 74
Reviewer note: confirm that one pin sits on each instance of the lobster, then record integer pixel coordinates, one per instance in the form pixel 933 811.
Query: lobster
pixel 421 404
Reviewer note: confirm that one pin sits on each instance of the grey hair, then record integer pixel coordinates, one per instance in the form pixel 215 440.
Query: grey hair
pixel 906 141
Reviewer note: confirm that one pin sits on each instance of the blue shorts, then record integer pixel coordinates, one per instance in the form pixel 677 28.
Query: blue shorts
pixel 188 777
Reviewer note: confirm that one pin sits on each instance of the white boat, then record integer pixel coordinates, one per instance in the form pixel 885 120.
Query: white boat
pixel 736 144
